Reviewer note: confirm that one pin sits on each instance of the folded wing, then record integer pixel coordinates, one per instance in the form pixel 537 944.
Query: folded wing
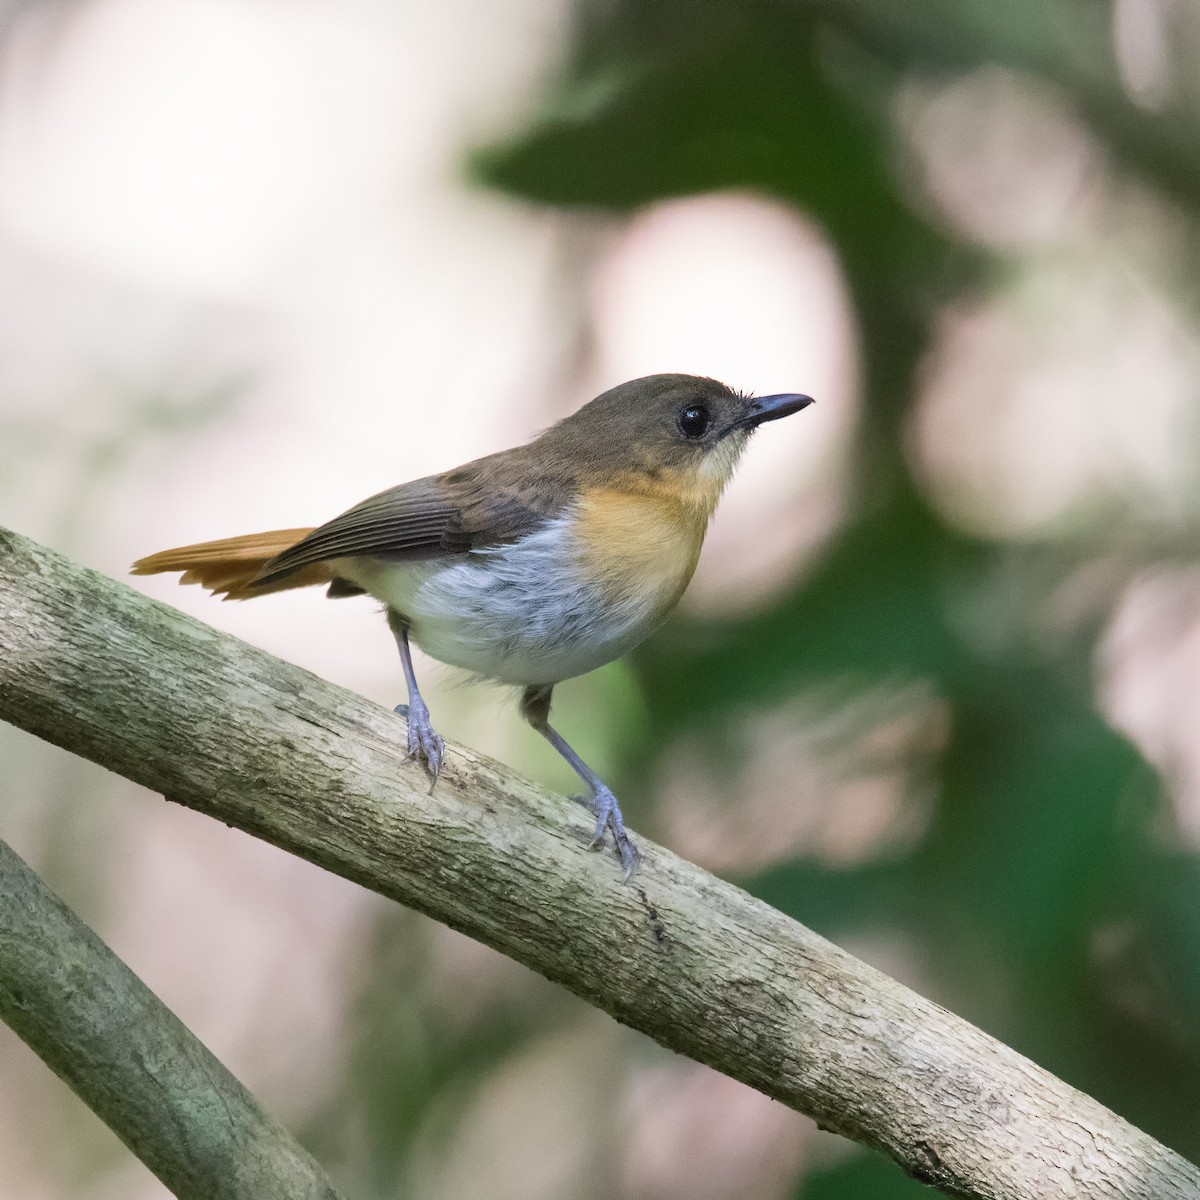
pixel 436 517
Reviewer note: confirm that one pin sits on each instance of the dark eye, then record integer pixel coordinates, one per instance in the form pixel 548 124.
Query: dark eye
pixel 693 420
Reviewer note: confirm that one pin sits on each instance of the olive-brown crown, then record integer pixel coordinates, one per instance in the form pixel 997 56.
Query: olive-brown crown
pixel 657 422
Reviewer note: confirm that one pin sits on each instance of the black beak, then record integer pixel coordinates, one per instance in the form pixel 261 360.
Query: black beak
pixel 770 408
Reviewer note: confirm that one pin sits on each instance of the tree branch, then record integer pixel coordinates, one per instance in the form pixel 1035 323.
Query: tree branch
pixel 132 1061
pixel 694 962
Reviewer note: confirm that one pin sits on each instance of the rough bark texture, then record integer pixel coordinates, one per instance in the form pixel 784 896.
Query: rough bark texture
pixel 116 1044
pixel 695 963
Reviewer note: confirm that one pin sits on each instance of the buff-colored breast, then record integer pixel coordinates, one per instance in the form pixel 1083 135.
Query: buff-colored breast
pixel 639 540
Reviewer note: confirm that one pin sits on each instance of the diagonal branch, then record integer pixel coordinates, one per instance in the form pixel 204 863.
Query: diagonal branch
pixel 694 962
pixel 132 1061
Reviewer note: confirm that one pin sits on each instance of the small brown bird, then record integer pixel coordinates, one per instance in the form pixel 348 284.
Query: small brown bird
pixel 529 566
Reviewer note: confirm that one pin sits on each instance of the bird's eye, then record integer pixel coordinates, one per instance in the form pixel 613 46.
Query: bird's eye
pixel 693 420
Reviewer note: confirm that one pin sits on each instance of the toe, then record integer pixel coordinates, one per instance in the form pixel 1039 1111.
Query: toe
pixel 598 835
pixel 434 753
pixel 425 746
pixel 629 855
pixel 608 816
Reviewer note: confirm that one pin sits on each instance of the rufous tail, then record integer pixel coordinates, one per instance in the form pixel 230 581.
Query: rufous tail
pixel 229 567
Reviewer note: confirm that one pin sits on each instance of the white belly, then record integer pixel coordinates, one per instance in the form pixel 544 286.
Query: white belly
pixel 522 614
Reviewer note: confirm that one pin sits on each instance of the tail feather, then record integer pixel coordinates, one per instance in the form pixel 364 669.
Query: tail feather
pixel 229 567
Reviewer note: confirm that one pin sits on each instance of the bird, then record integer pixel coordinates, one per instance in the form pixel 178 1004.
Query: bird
pixel 528 566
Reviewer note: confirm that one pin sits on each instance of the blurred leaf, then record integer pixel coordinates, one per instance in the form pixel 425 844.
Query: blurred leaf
pixel 680 97
pixel 1166 899
pixel 1064 41
pixel 864 1177
pixel 1041 802
pixel 873 610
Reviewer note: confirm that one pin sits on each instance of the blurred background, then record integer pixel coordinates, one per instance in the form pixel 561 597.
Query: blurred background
pixel 933 691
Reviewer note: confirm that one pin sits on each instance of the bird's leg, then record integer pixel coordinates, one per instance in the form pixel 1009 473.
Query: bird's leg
pixel 535 708
pixel 424 742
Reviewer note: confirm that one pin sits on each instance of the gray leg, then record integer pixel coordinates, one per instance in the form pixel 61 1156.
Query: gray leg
pixel 535 708
pixel 424 743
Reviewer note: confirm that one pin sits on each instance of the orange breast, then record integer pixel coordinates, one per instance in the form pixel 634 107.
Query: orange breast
pixel 640 539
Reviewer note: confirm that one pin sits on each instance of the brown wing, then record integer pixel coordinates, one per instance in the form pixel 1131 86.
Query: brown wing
pixel 488 502
pixel 436 517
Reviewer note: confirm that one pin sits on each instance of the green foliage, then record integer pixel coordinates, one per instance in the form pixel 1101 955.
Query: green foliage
pixel 863 1178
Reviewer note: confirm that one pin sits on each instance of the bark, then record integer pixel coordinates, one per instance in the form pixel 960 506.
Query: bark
pixel 692 961
pixel 132 1061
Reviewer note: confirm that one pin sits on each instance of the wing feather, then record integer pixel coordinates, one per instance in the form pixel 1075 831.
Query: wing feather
pixel 427 518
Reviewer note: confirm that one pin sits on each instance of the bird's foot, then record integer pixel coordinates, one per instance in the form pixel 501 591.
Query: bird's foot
pixel 425 744
pixel 608 816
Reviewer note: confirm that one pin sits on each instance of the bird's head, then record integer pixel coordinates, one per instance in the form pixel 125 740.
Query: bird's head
pixel 681 429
